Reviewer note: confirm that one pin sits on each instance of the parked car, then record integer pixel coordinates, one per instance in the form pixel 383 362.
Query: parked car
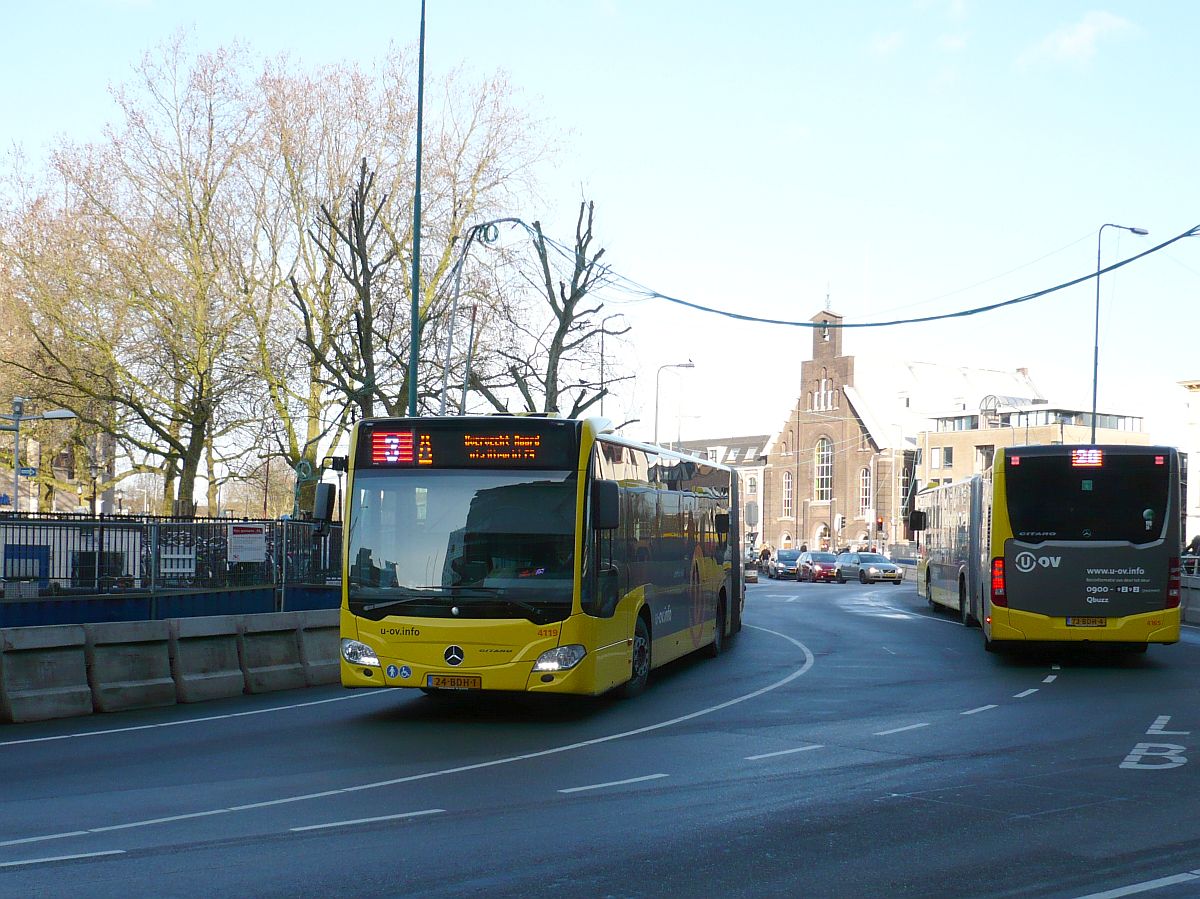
pixel 868 568
pixel 816 566
pixel 783 563
pixel 750 572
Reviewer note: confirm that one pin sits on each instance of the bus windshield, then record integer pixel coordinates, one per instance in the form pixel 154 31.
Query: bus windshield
pixel 462 543
pixel 1126 498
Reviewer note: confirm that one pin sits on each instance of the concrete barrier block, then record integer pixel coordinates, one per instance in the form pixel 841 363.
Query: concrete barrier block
pixel 43 673
pixel 204 658
pixel 269 648
pixel 320 641
pixel 129 665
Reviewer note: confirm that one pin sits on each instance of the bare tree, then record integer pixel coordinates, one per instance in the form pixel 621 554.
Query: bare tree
pixel 546 357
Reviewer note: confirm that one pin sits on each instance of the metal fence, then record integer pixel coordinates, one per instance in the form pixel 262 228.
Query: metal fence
pixel 65 555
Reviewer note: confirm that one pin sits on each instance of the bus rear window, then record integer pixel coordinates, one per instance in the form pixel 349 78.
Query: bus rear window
pixel 1124 499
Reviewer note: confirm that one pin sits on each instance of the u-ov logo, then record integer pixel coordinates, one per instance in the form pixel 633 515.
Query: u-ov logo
pixel 1027 561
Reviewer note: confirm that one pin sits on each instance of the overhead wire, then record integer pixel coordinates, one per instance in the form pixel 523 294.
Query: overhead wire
pixel 962 313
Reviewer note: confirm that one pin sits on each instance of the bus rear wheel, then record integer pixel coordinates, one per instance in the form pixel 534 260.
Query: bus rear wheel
pixel 716 647
pixel 964 608
pixel 640 675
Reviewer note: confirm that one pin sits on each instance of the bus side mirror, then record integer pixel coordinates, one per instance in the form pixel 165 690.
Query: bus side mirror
pixel 917 520
pixel 323 503
pixel 606 505
pixel 722 524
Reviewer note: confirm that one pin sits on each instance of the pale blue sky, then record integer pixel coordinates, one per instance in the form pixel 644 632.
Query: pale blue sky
pixel 753 156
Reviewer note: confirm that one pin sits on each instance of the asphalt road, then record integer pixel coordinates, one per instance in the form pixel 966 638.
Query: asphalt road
pixel 850 742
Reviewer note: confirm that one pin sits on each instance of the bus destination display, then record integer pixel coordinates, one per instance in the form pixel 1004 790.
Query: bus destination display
pixel 473 448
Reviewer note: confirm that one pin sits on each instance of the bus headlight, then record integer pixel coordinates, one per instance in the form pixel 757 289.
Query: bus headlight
pixel 359 653
pixel 560 658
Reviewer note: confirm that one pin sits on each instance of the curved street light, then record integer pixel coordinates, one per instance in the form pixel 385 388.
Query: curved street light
pixel 1096 352
pixel 604 321
pixel 657 382
pixel 18 415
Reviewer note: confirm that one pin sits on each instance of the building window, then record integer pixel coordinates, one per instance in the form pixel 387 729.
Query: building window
pixel 823 482
pixel 864 493
pixel 948 457
pixel 752 486
pixel 935 457
pixel 787 494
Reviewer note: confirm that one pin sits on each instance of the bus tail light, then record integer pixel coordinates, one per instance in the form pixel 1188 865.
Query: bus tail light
pixel 999 595
pixel 1173 583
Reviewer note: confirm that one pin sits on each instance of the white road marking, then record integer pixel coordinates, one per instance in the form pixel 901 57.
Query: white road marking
pixel 896 730
pixel 428 811
pixel 613 783
pixel 1145 886
pixel 1056 667
pixel 125 730
pixel 982 708
pixel 885 649
pixel 809 661
pixel 59 858
pixel 1025 693
pixel 768 755
pixel 1049 678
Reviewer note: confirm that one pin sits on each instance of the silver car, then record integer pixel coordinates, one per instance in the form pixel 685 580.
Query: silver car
pixel 868 568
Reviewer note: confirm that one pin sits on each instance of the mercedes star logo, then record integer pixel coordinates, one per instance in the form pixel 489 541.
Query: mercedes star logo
pixel 453 655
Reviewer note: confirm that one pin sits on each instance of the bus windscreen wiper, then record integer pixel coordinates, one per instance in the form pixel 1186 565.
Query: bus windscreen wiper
pixel 435 592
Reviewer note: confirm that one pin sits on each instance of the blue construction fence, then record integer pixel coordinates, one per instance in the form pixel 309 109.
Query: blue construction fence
pixel 78 569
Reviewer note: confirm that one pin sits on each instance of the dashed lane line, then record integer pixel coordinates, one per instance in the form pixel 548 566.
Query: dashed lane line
pixel 421 814
pixel 770 755
pixel 896 730
pixel 982 708
pixel 614 783
pixel 1025 693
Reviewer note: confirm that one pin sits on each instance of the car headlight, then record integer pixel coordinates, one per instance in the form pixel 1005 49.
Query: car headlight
pixel 359 653
pixel 872 570
pixel 561 658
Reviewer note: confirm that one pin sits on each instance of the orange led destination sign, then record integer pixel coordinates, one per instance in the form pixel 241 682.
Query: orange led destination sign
pixel 443 446
pixel 502 447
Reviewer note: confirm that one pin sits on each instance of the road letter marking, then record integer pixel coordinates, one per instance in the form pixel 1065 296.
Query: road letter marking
pixel 1170 753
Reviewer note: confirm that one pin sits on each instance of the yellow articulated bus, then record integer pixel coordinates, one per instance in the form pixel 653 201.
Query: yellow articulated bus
pixel 1058 544
pixel 530 554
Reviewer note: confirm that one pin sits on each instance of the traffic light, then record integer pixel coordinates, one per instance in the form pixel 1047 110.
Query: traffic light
pixel 839 522
pixel 879 524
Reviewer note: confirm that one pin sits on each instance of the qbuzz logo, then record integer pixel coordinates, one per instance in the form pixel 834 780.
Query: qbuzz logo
pixel 1027 561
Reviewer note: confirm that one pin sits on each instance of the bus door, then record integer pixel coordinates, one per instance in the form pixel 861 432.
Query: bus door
pixel 973 548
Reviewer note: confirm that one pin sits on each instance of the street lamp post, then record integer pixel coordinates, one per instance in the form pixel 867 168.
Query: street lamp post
pixel 1096 351
pixel 18 415
pixel 604 321
pixel 657 382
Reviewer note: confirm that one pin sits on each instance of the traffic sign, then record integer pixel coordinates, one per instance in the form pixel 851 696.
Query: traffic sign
pixel 27 472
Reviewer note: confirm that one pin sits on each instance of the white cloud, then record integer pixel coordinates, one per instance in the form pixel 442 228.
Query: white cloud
pixel 1076 43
